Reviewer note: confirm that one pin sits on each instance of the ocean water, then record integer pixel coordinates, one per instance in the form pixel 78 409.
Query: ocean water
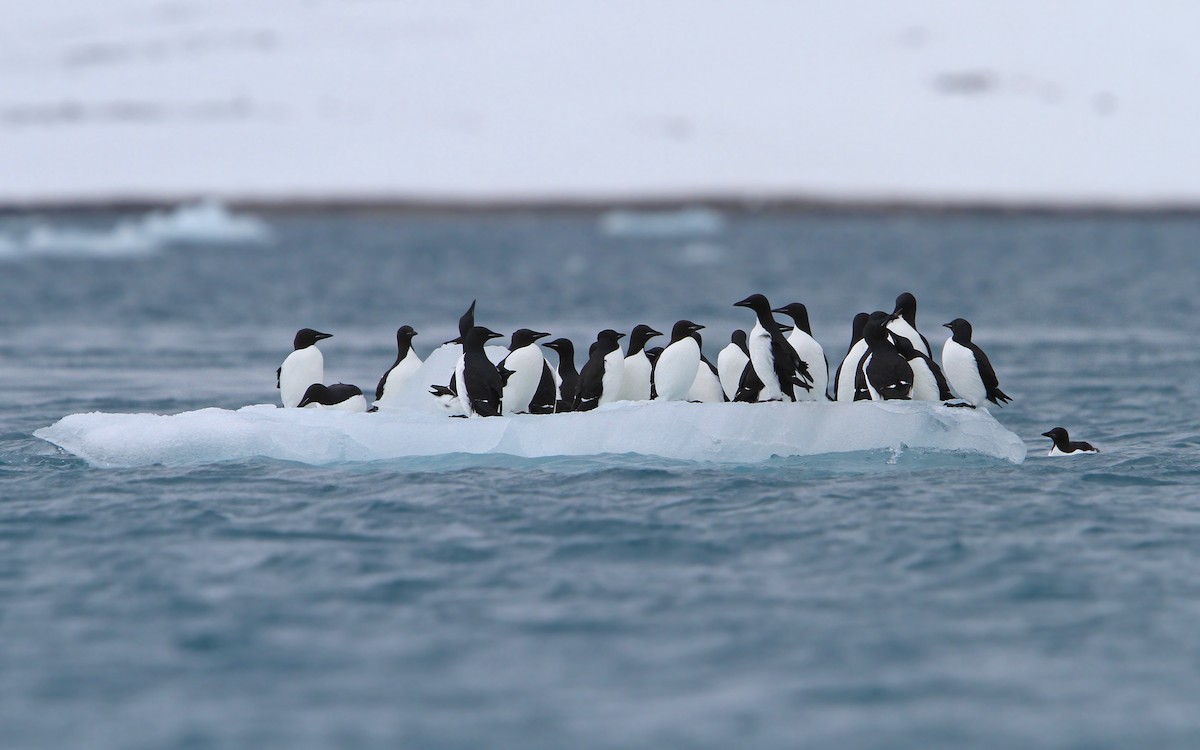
pixel 867 600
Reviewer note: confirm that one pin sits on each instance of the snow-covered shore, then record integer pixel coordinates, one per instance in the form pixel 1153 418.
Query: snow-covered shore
pixel 464 101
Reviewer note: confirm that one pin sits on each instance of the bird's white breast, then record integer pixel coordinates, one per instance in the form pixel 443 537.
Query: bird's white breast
pixel 845 384
pixel 614 375
pixel 676 370
pixel 635 382
pixel 962 373
pixel 811 353
pixel 730 364
pixel 398 376
pixel 302 368
pixel 925 387
pixel 706 388
pixel 526 364
pixel 900 327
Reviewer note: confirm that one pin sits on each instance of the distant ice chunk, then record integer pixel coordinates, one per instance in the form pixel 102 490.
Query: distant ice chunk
pixel 723 433
pixel 206 222
pixel 684 222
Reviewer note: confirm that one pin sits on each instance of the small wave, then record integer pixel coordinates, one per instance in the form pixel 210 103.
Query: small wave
pixel 203 223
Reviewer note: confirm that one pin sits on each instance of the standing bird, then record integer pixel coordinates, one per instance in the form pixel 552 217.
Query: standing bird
pixel 481 387
pixel 303 367
pixel 929 384
pixel 340 396
pixel 904 323
pixel 387 393
pixel 883 375
pixel 967 368
pixel 679 363
pixel 1065 446
pixel 808 350
pixel 843 381
pixel 568 376
pixel 731 361
pixel 635 383
pixel 527 364
pixel 775 361
pixel 600 379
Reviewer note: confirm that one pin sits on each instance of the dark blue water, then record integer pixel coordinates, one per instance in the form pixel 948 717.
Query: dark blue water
pixel 861 601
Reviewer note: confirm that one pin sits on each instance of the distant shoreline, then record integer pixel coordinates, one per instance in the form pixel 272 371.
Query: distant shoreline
pixel 732 204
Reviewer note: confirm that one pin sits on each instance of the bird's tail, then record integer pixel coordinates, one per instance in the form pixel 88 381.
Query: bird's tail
pixel 999 397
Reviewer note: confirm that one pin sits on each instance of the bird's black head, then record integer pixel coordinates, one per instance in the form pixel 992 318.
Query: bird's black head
pixel 608 335
pixel 561 346
pixel 316 393
pixel 404 334
pixel 756 302
pixel 652 354
pixel 524 337
pixel 797 312
pixel 306 337
pixel 1057 434
pixel 856 327
pixel 876 328
pixel 738 338
pixel 905 347
pixel 639 336
pixel 684 328
pixel 961 330
pixel 906 307
pixel 478 336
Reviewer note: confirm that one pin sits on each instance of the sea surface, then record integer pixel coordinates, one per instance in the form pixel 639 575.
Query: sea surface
pixel 873 600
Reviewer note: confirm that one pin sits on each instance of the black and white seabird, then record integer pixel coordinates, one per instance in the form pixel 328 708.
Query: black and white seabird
pixel 809 351
pixel 1065 446
pixel 679 363
pixel 731 361
pixel 568 376
pixel 303 367
pixel 481 387
pixel 883 375
pixel 929 384
pixel 843 381
pixel 904 323
pixel 775 361
pixel 527 364
pixel 968 370
pixel 600 379
pixel 635 381
pixel 340 396
pixel 407 363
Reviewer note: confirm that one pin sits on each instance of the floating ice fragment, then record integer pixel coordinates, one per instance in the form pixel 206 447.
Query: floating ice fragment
pixel 680 223
pixel 724 433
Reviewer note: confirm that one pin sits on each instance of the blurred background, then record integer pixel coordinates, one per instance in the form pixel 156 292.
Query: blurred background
pixel 473 102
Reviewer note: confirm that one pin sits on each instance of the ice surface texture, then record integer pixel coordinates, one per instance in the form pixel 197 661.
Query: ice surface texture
pixel 726 433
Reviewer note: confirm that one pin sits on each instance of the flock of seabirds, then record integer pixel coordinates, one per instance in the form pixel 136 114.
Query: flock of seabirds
pixel 888 359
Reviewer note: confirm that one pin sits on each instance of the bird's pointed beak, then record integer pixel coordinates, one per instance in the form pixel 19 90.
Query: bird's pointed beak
pixel 697 327
pixel 946 325
pixel 1046 434
pixel 780 310
pixel 320 336
pixel 455 340
pixel 538 335
pixel 743 303
pixel 494 335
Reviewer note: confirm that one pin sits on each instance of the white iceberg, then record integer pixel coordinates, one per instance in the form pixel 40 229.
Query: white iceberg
pixel 203 223
pixel 684 222
pixel 721 433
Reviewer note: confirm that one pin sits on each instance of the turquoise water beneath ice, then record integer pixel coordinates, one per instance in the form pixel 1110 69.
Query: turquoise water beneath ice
pixel 853 601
